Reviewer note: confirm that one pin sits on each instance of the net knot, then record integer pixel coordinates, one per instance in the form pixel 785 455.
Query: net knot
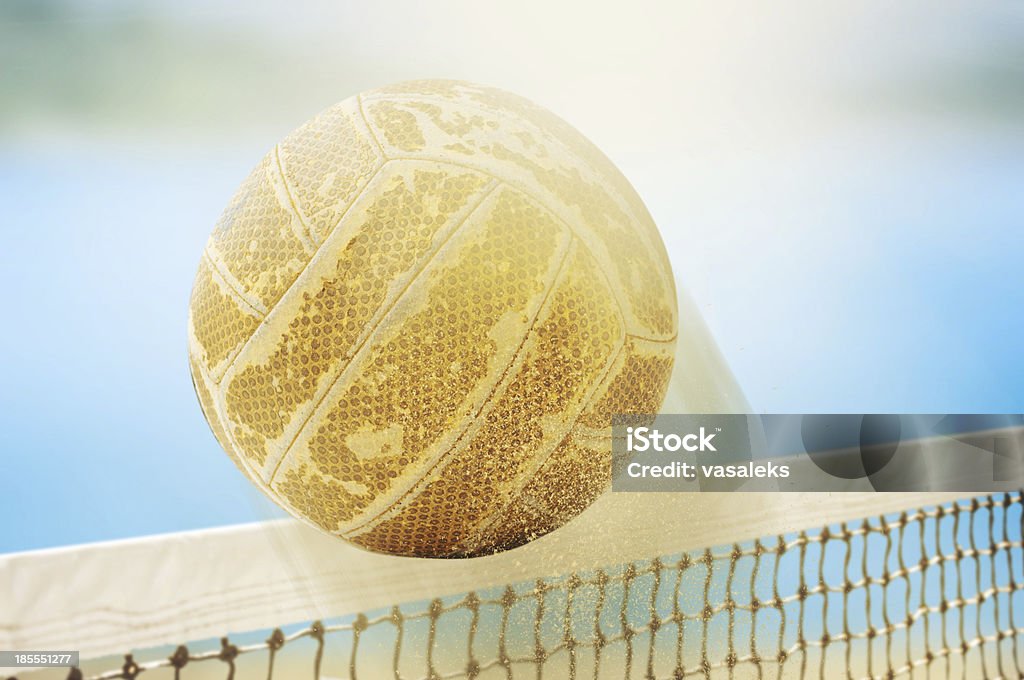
pixel 276 640
pixel 228 651
pixel 180 657
pixel 130 669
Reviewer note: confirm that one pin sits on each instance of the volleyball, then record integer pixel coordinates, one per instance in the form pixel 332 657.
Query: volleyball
pixel 413 322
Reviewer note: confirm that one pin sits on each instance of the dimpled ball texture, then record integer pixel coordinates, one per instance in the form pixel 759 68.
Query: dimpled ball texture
pixel 414 321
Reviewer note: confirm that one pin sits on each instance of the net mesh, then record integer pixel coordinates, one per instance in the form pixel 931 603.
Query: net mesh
pixel 932 592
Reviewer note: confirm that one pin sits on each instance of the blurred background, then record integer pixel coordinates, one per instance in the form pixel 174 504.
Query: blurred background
pixel 840 187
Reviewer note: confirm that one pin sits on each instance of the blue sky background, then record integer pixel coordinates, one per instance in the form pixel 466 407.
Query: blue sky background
pixel 845 204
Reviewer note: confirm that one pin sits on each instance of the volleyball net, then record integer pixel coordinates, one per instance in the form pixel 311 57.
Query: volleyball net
pixel 640 585
pixel 932 591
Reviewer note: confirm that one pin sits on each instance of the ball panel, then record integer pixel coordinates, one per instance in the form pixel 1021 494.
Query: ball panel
pixel 516 141
pixel 499 102
pixel 637 384
pixel 575 337
pixel 579 470
pixel 561 488
pixel 326 163
pixel 251 446
pixel 569 481
pixel 219 321
pixel 395 227
pixel 429 368
pixel 258 238
pixel 397 127
pixel 202 385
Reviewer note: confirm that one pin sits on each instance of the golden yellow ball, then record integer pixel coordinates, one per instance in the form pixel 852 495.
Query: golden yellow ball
pixel 412 324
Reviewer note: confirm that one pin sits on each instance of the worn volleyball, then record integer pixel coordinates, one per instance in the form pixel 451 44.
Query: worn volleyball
pixel 415 319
